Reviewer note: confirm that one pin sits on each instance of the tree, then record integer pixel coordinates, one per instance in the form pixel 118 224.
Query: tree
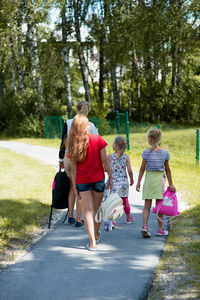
pixel 80 11
pixel 66 32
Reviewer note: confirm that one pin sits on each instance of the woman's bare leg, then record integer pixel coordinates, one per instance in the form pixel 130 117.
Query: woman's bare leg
pixel 79 210
pixel 71 201
pixel 71 197
pixel 146 211
pixel 97 199
pixel 87 201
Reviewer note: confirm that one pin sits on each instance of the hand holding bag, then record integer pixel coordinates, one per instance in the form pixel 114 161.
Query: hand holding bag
pixel 168 206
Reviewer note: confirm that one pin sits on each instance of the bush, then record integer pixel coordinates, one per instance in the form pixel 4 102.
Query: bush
pixel 32 126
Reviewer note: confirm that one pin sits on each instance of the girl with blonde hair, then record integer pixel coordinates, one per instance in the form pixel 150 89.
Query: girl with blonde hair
pixel 155 162
pixel 121 168
pixel 87 153
pixel 82 108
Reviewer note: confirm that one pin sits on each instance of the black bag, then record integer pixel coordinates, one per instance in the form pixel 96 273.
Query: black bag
pixel 60 192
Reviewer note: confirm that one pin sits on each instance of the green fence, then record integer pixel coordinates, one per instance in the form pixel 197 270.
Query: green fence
pixel 197 147
pixel 54 126
pixel 121 125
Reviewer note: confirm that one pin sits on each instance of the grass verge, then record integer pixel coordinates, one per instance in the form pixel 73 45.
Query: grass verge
pixel 25 196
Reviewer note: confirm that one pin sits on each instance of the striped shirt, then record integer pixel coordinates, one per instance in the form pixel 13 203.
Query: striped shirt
pixel 155 159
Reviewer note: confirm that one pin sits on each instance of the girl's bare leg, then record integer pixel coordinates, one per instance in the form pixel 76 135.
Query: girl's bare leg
pixel 160 224
pixel 87 201
pixel 146 211
pixel 97 199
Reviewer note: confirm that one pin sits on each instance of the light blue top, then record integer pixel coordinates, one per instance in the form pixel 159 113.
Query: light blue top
pixel 155 159
pixel 93 129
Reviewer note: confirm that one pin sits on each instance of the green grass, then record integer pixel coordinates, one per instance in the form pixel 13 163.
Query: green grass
pixel 183 246
pixel 181 145
pixel 25 197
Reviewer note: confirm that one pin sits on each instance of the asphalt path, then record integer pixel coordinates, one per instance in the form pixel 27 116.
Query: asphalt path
pixel 59 266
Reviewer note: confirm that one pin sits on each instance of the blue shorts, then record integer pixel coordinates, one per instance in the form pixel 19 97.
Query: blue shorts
pixel 98 186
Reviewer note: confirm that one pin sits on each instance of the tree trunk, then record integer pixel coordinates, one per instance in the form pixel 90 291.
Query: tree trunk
pixel 120 88
pixel 155 64
pixel 101 68
pixel 34 57
pixel 20 49
pixel 93 83
pixel 149 86
pixel 174 67
pixel 114 88
pixel 12 69
pixel 130 103
pixel 66 50
pixel 139 100
pixel 163 66
pixel 135 72
pixel 82 62
pixel 178 74
pixel 2 85
pixel 67 80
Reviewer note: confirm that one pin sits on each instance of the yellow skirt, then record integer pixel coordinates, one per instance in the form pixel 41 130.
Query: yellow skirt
pixel 152 188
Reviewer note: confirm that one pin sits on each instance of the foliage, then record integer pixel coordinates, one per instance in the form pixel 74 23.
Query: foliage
pixel 140 56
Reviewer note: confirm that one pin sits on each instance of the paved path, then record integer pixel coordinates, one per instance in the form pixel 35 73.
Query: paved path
pixel 59 266
pixel 45 154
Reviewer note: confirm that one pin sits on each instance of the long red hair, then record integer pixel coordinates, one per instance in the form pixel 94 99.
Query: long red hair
pixel 77 141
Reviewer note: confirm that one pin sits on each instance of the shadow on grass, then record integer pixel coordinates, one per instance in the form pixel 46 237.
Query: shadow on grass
pixel 18 221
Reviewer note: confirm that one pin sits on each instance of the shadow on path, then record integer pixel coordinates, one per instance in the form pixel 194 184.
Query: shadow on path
pixel 60 267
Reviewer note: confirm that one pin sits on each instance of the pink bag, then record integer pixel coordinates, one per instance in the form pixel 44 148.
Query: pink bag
pixel 168 205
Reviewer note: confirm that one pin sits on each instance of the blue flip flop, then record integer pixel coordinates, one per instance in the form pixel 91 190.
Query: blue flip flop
pixel 89 248
pixel 71 220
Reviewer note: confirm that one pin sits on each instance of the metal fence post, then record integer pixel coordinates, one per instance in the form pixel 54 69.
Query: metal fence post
pixel 158 126
pixel 118 121
pixel 61 126
pixel 46 126
pixel 127 131
pixel 96 122
pixel 197 147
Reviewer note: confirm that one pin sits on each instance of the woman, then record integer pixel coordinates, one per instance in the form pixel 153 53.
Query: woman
pixel 87 153
pixel 82 108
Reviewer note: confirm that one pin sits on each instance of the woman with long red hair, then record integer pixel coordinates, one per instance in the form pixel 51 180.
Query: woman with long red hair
pixel 87 153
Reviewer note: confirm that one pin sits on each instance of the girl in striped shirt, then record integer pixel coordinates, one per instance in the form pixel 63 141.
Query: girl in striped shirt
pixel 155 162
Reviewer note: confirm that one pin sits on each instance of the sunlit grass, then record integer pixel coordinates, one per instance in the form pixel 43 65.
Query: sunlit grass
pixel 25 197
pixel 181 145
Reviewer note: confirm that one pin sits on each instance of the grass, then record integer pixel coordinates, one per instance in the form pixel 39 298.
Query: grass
pixel 25 197
pixel 182 251
pixel 181 145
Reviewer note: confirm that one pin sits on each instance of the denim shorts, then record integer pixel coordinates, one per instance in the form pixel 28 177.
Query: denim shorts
pixel 98 186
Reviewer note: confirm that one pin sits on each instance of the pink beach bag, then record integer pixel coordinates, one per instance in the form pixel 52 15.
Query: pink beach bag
pixel 168 206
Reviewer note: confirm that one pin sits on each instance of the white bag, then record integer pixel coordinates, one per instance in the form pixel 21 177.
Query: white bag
pixel 111 208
